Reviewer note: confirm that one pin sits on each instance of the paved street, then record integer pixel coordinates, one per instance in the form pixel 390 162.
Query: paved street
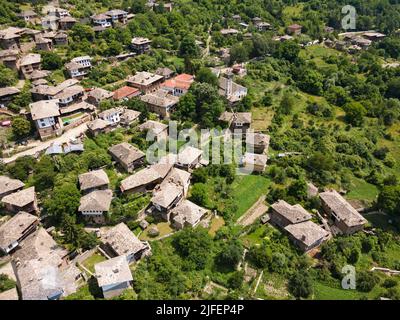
pixel 43 145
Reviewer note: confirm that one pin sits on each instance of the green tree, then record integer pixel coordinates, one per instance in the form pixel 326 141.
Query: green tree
pixel 6 283
pixel 8 77
pixel 355 113
pixel 21 127
pixel 238 53
pixel 194 245
pixel 230 255
pixel 64 201
pixel 205 75
pixel 51 60
pixel 300 285
pixel 199 194
pixel 389 199
pixel 188 47
pixel 287 104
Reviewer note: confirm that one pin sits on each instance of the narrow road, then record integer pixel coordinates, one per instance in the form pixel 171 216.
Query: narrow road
pixel 207 49
pixel 43 145
pixel 256 211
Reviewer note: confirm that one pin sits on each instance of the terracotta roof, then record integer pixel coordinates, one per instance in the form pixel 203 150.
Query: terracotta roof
pixel 182 81
pixel 124 92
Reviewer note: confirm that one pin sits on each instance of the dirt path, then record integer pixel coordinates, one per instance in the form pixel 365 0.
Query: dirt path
pixel 256 211
pixel 43 145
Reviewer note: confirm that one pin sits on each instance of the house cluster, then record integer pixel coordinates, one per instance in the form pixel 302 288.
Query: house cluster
pixel 257 23
pixel 59 108
pixel 43 269
pixel 16 42
pixel 294 220
pixel 109 19
pixel 58 18
pixel 256 143
pixel 353 42
pixel 160 91
pixel 15 197
pixel 168 183
pixel 123 248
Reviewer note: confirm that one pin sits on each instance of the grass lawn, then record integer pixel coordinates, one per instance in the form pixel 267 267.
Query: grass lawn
pixel 362 190
pixel 254 238
pixel 91 261
pixel 163 227
pixel 272 287
pixel 216 223
pixel 262 118
pixel 247 190
pixel 324 292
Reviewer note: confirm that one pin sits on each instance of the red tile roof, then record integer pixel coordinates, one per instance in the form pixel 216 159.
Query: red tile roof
pixel 125 92
pixel 182 81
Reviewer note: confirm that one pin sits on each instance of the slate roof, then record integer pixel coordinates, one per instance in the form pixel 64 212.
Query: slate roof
pixel 93 179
